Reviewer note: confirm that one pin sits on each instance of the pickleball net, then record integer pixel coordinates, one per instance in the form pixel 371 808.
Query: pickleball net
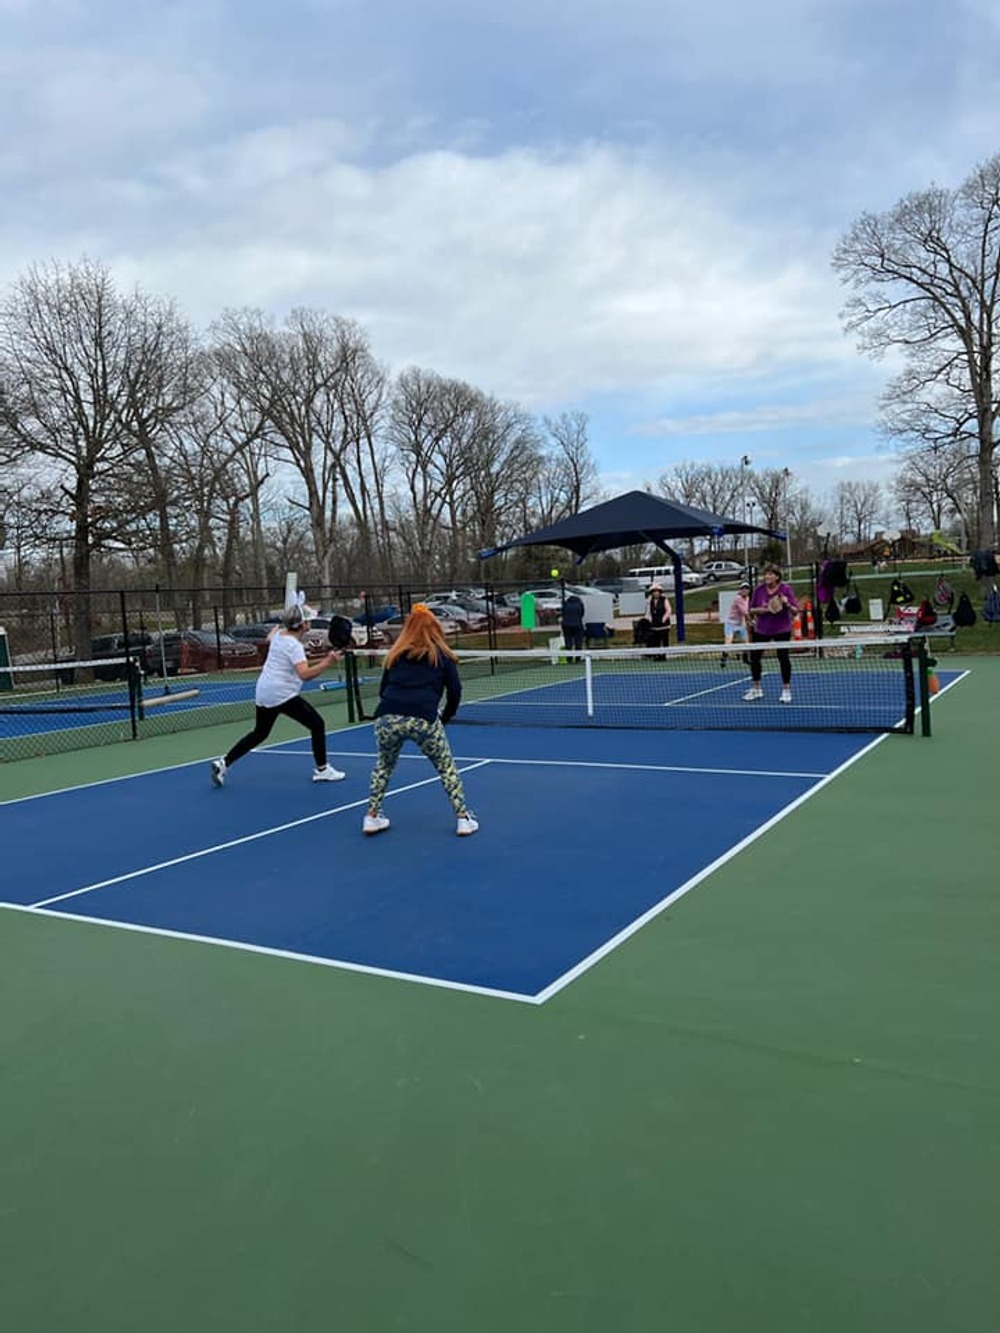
pixel 869 685
pixel 91 701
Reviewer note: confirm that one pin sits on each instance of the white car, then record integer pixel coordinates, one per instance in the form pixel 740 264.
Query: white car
pixel 722 571
pixel 664 576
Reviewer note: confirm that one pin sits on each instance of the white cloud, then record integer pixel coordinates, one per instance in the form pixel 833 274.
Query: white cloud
pixel 631 206
pixel 535 275
pixel 816 412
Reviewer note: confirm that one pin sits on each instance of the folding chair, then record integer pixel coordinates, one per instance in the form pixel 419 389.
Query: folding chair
pixel 594 631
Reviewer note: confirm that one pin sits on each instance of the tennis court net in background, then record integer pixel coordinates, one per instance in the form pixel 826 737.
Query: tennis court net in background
pixel 51 708
pixel 865 686
pixel 100 698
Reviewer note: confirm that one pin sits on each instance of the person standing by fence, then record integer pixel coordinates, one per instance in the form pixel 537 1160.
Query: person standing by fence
pixel 659 613
pixel 572 625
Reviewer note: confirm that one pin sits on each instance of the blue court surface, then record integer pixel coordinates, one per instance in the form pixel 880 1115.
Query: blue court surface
pixel 73 707
pixel 584 835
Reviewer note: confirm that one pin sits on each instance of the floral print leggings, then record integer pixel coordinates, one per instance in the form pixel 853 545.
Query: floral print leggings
pixel 392 731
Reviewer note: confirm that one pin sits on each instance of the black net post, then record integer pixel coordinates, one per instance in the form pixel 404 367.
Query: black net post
pixel 133 676
pixel 351 685
pixel 918 645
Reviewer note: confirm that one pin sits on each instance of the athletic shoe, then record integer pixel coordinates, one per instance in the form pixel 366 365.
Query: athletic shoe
pixel 375 824
pixel 328 774
pixel 467 823
pixel 218 772
pixel 755 692
pixel 786 695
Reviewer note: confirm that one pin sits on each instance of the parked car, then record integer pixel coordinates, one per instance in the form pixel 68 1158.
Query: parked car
pixel 117 646
pixel 378 615
pixel 178 652
pixel 317 642
pixel 469 622
pixel 259 635
pixel 502 614
pixel 548 604
pixel 721 571
pixel 451 626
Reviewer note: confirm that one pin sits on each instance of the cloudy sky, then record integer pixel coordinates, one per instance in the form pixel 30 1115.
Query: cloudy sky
pixel 626 207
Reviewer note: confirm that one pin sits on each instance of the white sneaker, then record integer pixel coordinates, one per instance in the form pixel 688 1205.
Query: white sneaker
pixel 467 823
pixel 218 772
pixel 328 774
pixel 375 824
pixel 755 692
pixel 786 695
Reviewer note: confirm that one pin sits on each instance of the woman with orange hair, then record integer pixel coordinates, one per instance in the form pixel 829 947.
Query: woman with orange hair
pixel 419 669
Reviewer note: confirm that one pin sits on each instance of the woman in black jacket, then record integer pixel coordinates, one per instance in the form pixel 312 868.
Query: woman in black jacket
pixel 419 669
pixel 658 612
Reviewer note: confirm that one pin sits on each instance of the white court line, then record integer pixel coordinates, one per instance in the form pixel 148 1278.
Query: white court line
pixel 594 763
pixel 646 768
pixel 243 947
pixel 587 963
pixel 268 750
pixel 40 909
pixel 237 842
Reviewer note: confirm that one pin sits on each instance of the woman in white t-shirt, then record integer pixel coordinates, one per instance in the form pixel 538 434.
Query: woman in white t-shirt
pixel 279 687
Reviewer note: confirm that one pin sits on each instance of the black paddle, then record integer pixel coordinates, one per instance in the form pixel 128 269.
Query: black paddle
pixel 340 633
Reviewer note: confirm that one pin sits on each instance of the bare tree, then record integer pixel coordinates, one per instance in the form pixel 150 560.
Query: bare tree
pixel 319 391
pixel 505 465
pixel 859 507
pixel 80 364
pixel 924 279
pixel 937 484
pixel 570 477
pixel 430 422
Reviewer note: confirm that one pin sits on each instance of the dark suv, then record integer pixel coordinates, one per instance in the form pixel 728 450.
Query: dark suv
pixel 116 646
pixel 177 652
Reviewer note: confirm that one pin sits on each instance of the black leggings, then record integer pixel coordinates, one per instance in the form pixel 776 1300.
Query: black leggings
pixel 299 710
pixel 784 657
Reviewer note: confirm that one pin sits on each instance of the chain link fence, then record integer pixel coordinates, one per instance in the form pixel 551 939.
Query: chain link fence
pixel 192 656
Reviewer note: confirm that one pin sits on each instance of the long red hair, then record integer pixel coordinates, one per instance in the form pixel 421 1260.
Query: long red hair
pixel 421 637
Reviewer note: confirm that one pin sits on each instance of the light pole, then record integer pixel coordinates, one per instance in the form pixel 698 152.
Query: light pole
pixel 745 462
pixel 752 507
pixel 787 475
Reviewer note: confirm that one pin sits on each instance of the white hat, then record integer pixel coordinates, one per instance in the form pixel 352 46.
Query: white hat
pixel 655 587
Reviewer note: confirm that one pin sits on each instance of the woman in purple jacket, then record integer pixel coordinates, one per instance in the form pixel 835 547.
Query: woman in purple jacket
pixel 773 606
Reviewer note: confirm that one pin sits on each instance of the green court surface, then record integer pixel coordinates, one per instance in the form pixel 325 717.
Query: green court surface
pixel 776 1107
